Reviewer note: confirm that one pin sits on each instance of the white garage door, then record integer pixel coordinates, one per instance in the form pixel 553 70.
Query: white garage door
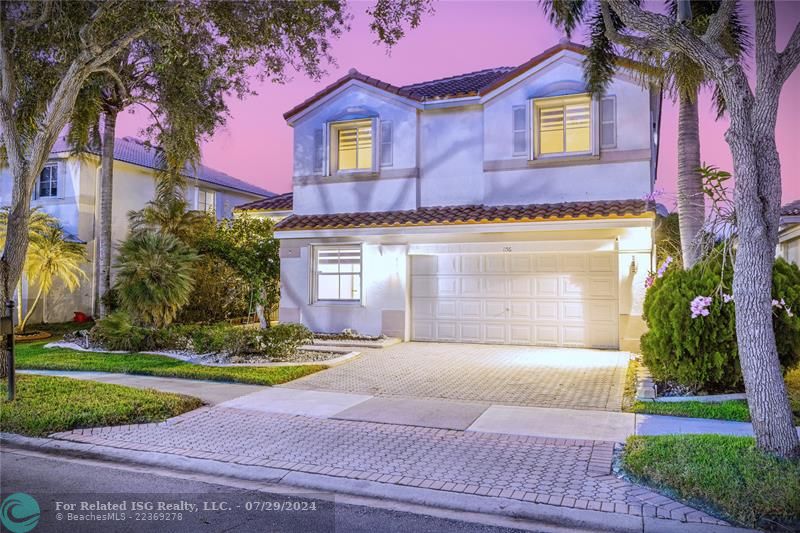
pixel 552 299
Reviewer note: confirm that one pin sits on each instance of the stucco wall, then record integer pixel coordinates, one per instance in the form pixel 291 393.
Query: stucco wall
pixel 393 188
pixel 385 270
pixel 463 153
pixel 789 247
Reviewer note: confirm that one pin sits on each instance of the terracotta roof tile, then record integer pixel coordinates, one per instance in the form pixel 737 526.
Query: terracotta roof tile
pixel 791 209
pixel 470 84
pixel 281 202
pixel 457 86
pixel 469 214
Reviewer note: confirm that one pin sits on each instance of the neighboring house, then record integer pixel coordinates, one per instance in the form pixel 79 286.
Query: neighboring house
pixel 276 208
pixel 68 187
pixel 500 206
pixel 789 233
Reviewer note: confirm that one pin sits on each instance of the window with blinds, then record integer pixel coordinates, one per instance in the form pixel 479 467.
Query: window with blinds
pixel 564 125
pixel 338 273
pixel 354 146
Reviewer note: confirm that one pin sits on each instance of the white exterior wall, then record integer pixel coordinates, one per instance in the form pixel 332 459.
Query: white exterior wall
pixel 789 244
pixel 463 154
pixel 349 193
pixel 386 294
pixel 451 157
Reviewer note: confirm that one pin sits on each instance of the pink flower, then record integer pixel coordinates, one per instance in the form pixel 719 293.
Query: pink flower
pixel 726 297
pixel 653 196
pixel 664 266
pixel 699 306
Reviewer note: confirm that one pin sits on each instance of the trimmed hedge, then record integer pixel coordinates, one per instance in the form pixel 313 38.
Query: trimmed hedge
pixel 118 332
pixel 701 352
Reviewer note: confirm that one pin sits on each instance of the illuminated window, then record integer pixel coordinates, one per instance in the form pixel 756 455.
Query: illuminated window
pixel 564 125
pixel 338 272
pixel 206 200
pixel 48 183
pixel 354 145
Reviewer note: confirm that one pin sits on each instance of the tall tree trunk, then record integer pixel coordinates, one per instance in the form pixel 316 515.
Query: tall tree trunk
pixel 103 236
pixel 757 198
pixel 691 204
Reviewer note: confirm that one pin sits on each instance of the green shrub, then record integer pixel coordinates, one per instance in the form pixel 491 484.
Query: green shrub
pixel 219 293
pixel 117 331
pixel 701 352
pixel 282 340
pixel 154 277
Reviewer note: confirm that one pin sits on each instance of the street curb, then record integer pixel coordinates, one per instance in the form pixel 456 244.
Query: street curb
pixel 548 514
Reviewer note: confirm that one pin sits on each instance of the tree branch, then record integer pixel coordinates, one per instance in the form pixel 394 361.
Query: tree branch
pixel 123 91
pixel 790 57
pixel 614 36
pixel 719 21
pixel 711 56
pixel 47 6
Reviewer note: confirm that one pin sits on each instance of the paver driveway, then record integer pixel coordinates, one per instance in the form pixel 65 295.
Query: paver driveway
pixel 511 375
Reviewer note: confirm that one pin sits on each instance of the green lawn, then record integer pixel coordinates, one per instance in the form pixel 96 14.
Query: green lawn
pixel 725 472
pixel 729 410
pixel 48 404
pixel 34 356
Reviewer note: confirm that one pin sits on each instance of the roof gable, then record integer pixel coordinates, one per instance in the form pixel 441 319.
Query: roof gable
pixel 471 84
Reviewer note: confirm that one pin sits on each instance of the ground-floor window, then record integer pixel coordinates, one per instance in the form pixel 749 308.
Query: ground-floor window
pixel 337 273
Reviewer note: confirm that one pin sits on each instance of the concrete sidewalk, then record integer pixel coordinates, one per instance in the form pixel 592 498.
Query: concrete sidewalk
pixel 481 417
pixel 211 392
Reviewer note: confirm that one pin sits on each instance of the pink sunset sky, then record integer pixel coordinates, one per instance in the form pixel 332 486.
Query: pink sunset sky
pixel 256 143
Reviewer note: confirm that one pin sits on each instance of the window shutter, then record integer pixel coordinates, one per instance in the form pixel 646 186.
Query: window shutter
pixel 386 143
pixel 608 122
pixel 61 179
pixel 520 144
pixel 319 151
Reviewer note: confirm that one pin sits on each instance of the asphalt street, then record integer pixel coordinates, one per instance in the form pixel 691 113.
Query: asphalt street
pixel 79 496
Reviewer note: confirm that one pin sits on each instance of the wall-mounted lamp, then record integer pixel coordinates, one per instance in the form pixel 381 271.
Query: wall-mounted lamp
pixel 634 266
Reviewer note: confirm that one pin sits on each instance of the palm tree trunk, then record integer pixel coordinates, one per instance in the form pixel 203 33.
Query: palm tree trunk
pixel 30 310
pixel 103 236
pixel 691 203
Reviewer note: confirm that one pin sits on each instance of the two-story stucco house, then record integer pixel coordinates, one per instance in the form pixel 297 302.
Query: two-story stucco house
pixel 67 188
pixel 500 206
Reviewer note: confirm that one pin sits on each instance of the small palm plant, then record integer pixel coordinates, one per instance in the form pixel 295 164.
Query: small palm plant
pixel 154 276
pixel 51 257
pixel 39 229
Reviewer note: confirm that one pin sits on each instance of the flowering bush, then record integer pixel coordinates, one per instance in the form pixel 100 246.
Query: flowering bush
pixel 691 320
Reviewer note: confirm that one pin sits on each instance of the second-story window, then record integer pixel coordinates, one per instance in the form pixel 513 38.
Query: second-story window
pixel 47 186
pixel 354 146
pixel 563 125
pixel 206 200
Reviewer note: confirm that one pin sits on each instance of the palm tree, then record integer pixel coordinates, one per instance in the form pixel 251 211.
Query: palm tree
pixel 52 258
pixel 37 229
pixel 154 276
pixel 168 214
pixel 681 77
